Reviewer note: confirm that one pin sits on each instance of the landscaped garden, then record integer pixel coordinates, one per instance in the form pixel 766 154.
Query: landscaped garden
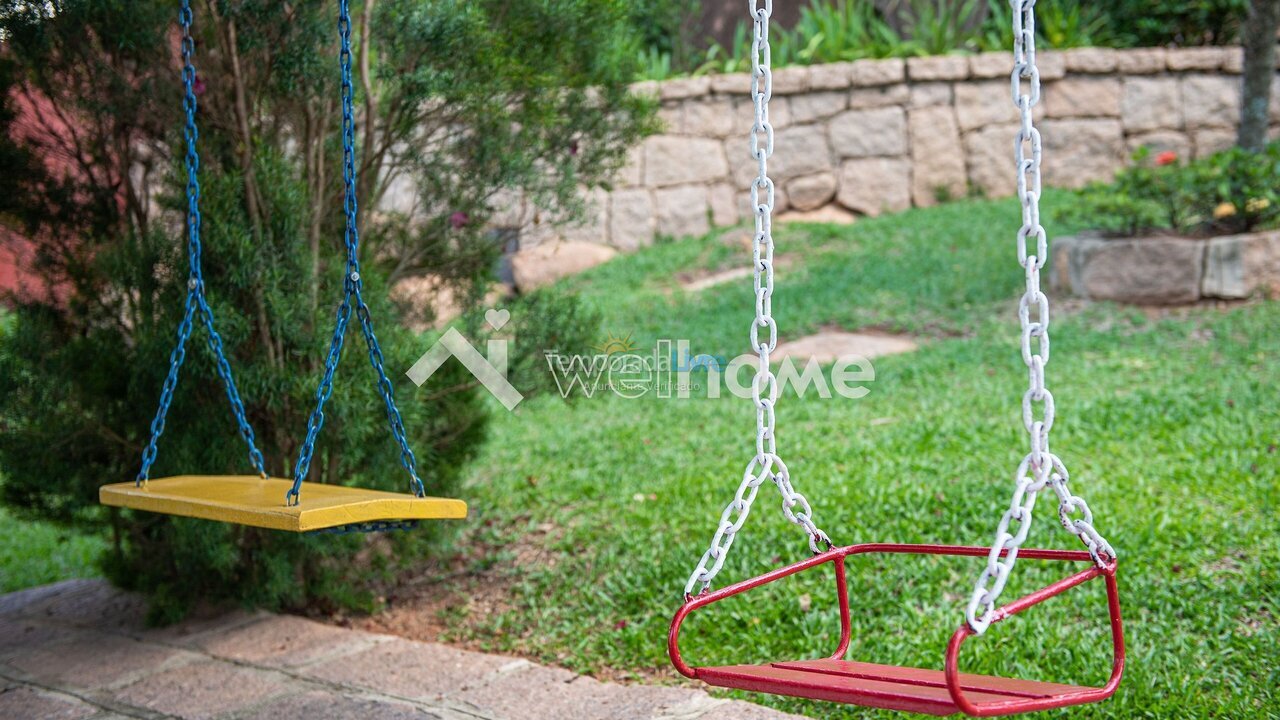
pixel 591 502
pixel 594 512
pixel 590 514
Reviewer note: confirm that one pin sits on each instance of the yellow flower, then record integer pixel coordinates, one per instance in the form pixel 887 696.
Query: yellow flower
pixel 1257 205
pixel 1225 210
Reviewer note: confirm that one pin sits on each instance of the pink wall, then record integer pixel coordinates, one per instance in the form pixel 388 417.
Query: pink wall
pixel 37 125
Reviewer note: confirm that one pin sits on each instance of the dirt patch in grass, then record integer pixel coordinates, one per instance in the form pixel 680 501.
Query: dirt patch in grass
pixel 699 280
pixel 454 601
pixel 445 601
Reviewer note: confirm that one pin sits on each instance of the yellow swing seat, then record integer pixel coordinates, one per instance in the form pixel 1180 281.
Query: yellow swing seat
pixel 253 501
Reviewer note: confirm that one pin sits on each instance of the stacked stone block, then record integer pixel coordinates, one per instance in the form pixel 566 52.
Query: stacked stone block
pixel 876 136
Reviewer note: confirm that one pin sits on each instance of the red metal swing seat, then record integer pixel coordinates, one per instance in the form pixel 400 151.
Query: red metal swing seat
pixel 934 692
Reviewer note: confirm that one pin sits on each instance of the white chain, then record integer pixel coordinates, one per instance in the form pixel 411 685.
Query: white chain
pixel 1040 468
pixel 766 465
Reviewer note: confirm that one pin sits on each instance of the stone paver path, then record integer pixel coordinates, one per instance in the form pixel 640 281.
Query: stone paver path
pixel 79 650
pixel 827 347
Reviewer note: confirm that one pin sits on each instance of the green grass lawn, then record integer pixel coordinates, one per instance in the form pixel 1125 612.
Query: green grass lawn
pixel 35 553
pixel 1168 422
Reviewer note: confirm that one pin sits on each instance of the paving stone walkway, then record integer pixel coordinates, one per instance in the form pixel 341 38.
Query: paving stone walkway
pixel 78 650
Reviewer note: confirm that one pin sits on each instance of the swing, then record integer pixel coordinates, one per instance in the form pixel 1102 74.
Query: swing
pixel 935 692
pixel 263 501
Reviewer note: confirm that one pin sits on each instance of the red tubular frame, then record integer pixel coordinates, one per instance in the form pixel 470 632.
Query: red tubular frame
pixel 837 556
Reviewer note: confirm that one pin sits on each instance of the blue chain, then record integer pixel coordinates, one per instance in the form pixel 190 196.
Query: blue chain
pixel 196 300
pixel 352 290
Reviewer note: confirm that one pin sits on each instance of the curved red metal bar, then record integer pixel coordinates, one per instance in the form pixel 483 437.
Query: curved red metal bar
pixel 954 684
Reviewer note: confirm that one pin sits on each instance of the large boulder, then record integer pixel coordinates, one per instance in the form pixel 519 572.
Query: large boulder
pixel 811 191
pixel 543 265
pixel 428 301
pixel 875 185
pixel 1238 266
pixel 1211 101
pixel 937 155
pixel 1077 152
pixel 674 160
pixel 881 132
pixel 1167 270
pixel 1151 103
pixel 631 219
pixel 989 155
pixel 1141 271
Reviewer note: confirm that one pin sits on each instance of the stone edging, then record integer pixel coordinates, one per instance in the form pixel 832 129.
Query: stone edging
pixel 1167 270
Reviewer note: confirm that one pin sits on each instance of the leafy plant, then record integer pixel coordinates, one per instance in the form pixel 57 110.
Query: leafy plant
pixel 995 34
pixel 1189 23
pixel 1072 24
pixel 735 58
pixel 840 31
pixel 655 64
pixel 664 29
pixel 1229 192
pixel 938 27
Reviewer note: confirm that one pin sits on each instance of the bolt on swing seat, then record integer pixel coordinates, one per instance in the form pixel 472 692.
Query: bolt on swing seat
pixel 257 502
pixel 931 692
pixel 260 500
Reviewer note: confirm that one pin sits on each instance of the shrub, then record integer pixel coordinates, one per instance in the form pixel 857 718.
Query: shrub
pixel 840 30
pixel 1229 192
pixel 540 87
pixel 1190 23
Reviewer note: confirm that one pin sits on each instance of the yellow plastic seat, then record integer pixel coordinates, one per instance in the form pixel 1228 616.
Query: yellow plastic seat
pixel 251 500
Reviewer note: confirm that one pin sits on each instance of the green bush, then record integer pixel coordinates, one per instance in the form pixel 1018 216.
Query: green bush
pixel 1187 23
pixel 664 30
pixel 541 88
pixel 1068 24
pixel 842 30
pixel 1229 192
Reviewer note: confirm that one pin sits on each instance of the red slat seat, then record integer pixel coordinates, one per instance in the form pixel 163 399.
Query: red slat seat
pixel 932 692
pixel 880 686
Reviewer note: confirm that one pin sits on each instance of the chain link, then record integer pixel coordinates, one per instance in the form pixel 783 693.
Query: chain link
pixel 766 465
pixel 196 301
pixel 352 297
pixel 1039 468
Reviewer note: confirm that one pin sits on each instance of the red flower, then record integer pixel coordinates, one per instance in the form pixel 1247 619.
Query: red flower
pixel 459 220
pixel 1168 157
pixel 198 86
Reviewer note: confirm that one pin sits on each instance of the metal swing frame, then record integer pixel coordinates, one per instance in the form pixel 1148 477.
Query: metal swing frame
pixel 935 692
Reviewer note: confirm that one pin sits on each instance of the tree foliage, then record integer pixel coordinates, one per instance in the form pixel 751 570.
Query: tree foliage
pixel 1189 23
pixel 459 103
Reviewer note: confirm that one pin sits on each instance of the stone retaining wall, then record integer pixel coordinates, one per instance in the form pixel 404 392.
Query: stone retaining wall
pixel 882 135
